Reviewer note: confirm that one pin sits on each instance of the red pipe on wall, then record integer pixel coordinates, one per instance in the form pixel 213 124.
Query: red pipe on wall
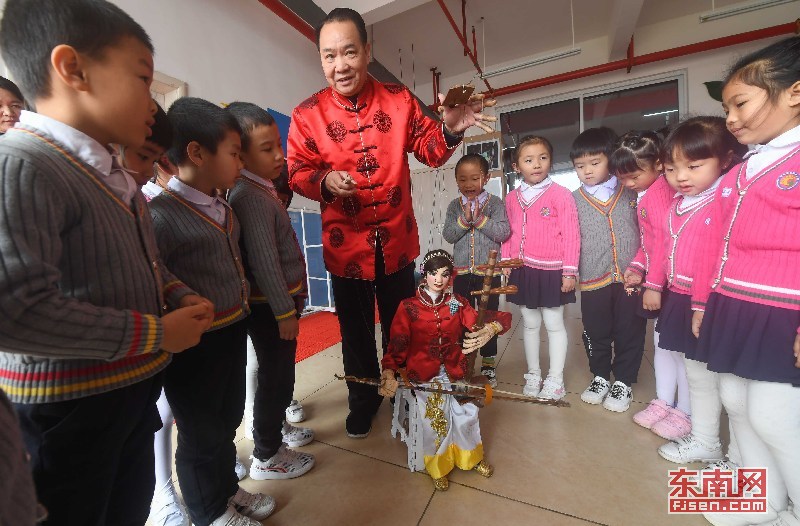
pixel 463 40
pixel 675 52
pixel 291 18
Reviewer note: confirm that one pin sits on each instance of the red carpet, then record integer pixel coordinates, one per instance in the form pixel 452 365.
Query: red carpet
pixel 319 331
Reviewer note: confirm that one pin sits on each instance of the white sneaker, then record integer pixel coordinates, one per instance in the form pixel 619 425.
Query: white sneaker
pixel 167 509
pixel 231 517
pixel 722 465
pixel 553 389
pixel 296 436
pixel 619 398
pixel 596 391
pixel 285 464
pixel 241 471
pixel 533 384
pixel 295 412
pixel 254 505
pixel 688 449
pixel 248 426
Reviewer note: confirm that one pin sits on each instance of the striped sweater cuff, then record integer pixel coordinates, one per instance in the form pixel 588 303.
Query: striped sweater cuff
pixel 144 335
pixel 482 222
pixel 286 316
pixel 174 291
pixel 652 286
pixel 462 224
pixel 636 267
pixel 698 306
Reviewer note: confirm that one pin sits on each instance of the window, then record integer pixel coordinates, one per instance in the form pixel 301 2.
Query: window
pixel 649 104
pixel 308 228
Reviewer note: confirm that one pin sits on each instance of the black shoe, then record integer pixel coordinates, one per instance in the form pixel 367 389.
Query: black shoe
pixel 358 425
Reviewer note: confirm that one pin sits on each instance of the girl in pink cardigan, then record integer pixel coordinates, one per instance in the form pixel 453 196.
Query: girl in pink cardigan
pixel 637 163
pixel 545 235
pixel 747 301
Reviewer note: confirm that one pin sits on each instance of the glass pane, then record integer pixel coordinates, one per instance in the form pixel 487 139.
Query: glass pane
pixel 297 224
pixel 652 107
pixel 313 228
pixel 318 293
pixel 315 263
pixel 558 122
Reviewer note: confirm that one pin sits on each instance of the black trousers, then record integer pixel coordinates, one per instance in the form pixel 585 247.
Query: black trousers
pixel 355 306
pixel 205 389
pixel 275 380
pixel 92 458
pixel 610 318
pixel 468 282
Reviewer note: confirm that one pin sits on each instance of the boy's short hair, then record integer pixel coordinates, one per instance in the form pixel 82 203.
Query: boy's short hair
pixel 594 141
pixel 197 120
pixel 249 116
pixel 31 29
pixel 480 160
pixel 162 129
pixel 344 14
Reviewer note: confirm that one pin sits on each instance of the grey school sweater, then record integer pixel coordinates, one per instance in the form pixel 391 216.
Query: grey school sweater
pixel 472 242
pixel 609 237
pixel 203 253
pixel 272 257
pixel 81 284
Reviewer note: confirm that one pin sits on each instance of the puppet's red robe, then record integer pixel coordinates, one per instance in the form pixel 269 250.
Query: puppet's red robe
pixel 369 140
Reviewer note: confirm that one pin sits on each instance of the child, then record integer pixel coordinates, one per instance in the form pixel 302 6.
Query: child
pixel 749 332
pixel 636 161
pixel 476 223
pixel 198 236
pixel 696 153
pixel 275 265
pixel 609 241
pixel 447 433
pixel 545 235
pixel 83 294
pixel 11 104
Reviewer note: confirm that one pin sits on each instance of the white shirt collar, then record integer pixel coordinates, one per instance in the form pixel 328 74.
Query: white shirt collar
pixel 605 188
pixel 544 183
pixel 688 201
pixel 193 195
pixel 787 138
pixel 258 179
pixel 84 147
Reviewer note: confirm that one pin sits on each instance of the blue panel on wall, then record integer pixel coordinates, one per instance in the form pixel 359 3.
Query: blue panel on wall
pixel 297 224
pixel 283 125
pixel 314 262
pixel 318 293
pixel 313 229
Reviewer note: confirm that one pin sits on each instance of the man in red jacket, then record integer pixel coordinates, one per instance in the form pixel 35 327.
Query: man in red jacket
pixel 347 149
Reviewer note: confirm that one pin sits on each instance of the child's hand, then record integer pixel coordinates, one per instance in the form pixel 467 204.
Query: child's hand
pixel 797 351
pixel 389 384
pixel 651 300
pixel 567 283
pixel 632 279
pixel 183 328
pixel 194 299
pixel 289 328
pixel 468 211
pixel 697 322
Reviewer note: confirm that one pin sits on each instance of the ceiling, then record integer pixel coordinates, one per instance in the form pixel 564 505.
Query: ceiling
pixel 513 30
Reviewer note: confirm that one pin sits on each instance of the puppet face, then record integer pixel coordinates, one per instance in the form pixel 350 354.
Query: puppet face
pixel 438 280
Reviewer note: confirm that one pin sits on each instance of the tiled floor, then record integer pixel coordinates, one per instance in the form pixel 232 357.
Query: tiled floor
pixel 553 466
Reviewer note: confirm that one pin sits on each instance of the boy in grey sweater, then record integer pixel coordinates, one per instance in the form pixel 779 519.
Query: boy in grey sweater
pixel 198 236
pixel 84 299
pixel 275 266
pixel 476 223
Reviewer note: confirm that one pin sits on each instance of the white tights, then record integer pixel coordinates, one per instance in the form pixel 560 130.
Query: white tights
pixel 250 380
pixel 162 446
pixel 556 336
pixel 671 373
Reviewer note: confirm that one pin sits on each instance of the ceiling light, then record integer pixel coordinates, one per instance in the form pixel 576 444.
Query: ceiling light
pixel 658 113
pixel 534 62
pixel 740 9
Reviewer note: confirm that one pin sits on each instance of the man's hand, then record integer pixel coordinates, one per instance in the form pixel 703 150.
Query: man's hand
pixel 194 299
pixel 340 184
pixel 632 279
pixel 389 383
pixel 697 322
pixel 289 328
pixel 651 299
pixel 457 120
pixel 567 283
pixel 183 328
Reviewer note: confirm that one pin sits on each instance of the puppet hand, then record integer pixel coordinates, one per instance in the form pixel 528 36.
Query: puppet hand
pixel 475 340
pixel 458 119
pixel 389 383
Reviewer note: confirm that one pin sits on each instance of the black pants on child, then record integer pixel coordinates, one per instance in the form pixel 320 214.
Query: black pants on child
pixel 275 380
pixel 92 458
pixel 609 317
pixel 355 306
pixel 462 286
pixel 205 389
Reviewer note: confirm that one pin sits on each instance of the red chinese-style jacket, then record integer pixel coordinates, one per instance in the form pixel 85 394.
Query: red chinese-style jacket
pixel 369 140
pixel 425 335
